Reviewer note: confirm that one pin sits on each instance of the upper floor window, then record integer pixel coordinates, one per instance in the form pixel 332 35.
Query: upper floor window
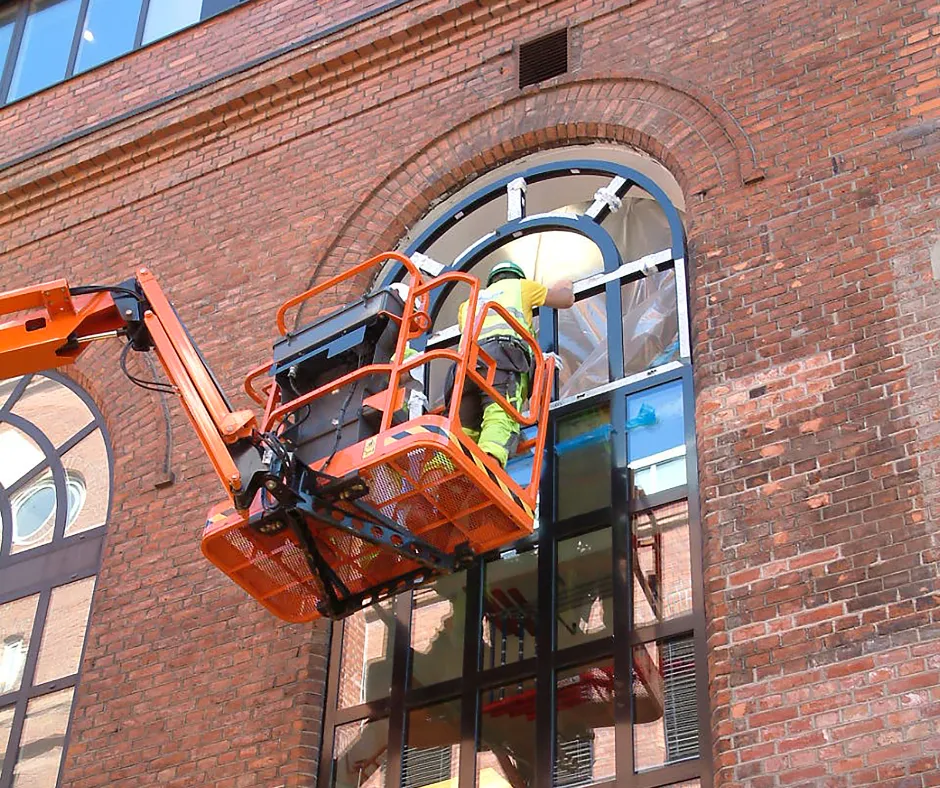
pixel 55 488
pixel 43 42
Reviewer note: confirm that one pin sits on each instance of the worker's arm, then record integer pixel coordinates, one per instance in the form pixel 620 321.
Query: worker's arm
pixel 560 294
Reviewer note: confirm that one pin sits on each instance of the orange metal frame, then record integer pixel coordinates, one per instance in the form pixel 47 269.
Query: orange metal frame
pixel 61 326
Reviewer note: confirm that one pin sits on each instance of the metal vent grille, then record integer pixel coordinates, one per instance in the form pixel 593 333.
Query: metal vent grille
pixel 681 708
pixel 543 58
pixel 425 766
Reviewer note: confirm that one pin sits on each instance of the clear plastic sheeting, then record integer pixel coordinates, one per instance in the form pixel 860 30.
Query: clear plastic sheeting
pixel 650 322
pixel 639 227
pixel 582 344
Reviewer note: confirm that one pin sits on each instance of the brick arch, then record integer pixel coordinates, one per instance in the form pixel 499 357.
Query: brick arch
pixel 691 134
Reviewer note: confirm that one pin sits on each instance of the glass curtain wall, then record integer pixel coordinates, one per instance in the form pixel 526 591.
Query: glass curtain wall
pixel 576 656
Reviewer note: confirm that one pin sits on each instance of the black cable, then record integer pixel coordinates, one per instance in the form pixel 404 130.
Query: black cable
pixel 89 289
pixel 149 385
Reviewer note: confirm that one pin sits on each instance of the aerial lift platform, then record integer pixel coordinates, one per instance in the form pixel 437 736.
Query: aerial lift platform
pixel 335 499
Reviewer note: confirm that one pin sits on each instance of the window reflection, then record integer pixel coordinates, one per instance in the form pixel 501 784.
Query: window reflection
pixel 582 446
pixel 359 754
pixel 585 588
pixel 366 666
pixel 16 627
pixel 584 705
pixel 45 46
pixel 58 410
pixel 437 626
pixel 86 466
pixel 109 31
pixel 662 567
pixel 6 724
pixel 506 752
pixel 167 16
pixel 664 698
pixel 42 740
pixel 656 438
pixel 64 632
pixel 510 609
pixel 432 745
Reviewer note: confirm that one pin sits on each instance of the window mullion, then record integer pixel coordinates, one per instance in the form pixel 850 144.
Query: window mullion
pixel 470 698
pixel 141 23
pixel 76 39
pixel 623 592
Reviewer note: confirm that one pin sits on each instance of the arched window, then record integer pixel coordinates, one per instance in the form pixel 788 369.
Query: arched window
pixel 55 487
pixel 577 656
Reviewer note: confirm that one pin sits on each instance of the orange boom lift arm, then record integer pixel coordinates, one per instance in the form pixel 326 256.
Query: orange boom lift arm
pixel 329 506
pixel 68 320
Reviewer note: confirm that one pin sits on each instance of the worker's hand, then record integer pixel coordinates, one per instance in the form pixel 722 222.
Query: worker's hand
pixel 559 361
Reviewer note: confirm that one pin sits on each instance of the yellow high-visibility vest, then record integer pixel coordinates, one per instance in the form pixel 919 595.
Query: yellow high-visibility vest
pixel 518 296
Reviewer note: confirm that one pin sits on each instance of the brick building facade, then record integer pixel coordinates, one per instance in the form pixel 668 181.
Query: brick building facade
pixel 270 146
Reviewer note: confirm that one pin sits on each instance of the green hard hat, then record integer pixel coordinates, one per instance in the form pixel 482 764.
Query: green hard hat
pixel 505 267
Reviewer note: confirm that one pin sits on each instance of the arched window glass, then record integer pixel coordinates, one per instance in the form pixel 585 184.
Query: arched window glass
pixel 575 656
pixel 55 487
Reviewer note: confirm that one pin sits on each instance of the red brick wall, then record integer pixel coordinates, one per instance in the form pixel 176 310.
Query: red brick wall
pixel 805 135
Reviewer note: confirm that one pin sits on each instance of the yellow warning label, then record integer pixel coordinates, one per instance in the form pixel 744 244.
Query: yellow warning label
pixel 369 448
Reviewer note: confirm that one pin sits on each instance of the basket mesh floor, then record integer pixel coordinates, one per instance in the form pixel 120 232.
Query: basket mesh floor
pixel 419 489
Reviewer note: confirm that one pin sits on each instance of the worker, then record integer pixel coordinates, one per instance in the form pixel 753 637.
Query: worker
pixel 483 420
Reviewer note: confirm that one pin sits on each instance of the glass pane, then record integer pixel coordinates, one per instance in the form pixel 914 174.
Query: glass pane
pixel 43 740
pixel 656 438
pixel 7 21
pixel 359 753
pixel 57 410
pixel 366 668
pixel 19 454
pixel 44 50
pixel 582 344
pixel 665 705
pixel 432 746
pixel 109 31
pixel 583 451
pixel 584 704
pixel 6 723
pixel 662 566
pixel 168 16
pixel 650 322
pixel 16 627
pixel 34 509
pixel 506 753
pixel 687 784
pixel 64 633
pixel 585 588
pixel 510 609
pixel 88 482
pixel 437 627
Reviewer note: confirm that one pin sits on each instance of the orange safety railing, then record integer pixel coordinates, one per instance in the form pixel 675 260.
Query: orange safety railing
pixel 417 322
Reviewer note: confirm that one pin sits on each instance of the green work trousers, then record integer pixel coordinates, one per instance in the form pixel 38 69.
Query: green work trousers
pixel 483 420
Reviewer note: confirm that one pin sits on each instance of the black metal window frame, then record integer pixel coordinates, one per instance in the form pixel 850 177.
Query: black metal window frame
pixel 39 570
pixel 210 9
pixel 619 647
